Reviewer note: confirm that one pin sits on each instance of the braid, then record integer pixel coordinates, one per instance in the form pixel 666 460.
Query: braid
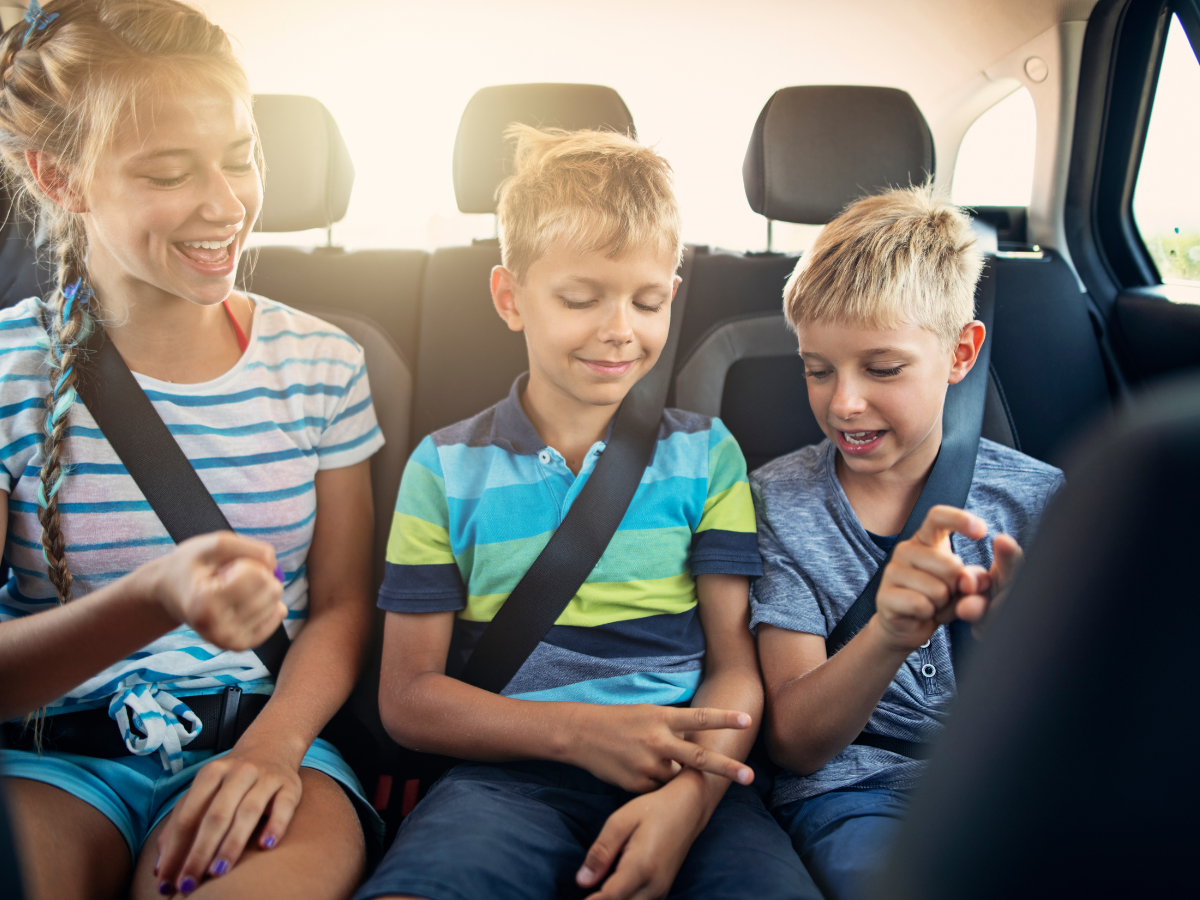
pixel 68 324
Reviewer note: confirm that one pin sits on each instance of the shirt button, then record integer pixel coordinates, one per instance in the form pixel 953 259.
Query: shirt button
pixel 928 670
pixel 927 643
pixel 544 456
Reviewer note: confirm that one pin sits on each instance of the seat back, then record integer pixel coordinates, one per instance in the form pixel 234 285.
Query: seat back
pixel 1056 747
pixel 467 358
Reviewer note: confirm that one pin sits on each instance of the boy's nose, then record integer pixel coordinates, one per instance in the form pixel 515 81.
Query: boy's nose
pixel 617 327
pixel 847 400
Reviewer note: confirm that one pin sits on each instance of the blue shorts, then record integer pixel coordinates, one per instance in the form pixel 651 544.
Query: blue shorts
pixel 521 831
pixel 844 836
pixel 135 793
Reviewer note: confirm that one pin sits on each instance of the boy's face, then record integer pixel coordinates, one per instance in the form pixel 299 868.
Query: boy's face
pixel 593 325
pixel 878 393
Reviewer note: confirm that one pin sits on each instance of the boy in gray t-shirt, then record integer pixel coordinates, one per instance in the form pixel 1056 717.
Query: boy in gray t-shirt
pixel 883 307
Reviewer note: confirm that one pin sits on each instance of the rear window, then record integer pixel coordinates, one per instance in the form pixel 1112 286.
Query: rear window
pixel 1166 200
pixel 995 160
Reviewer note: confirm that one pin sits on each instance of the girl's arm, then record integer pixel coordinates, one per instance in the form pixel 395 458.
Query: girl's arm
pixel 221 584
pixel 211 825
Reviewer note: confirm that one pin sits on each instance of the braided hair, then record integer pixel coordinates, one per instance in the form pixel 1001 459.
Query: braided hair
pixel 68 82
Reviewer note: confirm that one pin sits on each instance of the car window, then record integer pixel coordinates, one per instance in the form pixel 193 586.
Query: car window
pixel 1166 200
pixel 995 160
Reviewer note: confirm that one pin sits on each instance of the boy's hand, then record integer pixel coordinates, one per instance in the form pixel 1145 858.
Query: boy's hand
pixel 651 836
pixel 925 578
pixel 1007 557
pixel 641 747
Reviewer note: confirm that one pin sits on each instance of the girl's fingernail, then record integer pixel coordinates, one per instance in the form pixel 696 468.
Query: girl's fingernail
pixel 279 574
pixel 586 875
pixel 187 885
pixel 745 775
pixel 220 867
pixel 269 841
pixel 165 888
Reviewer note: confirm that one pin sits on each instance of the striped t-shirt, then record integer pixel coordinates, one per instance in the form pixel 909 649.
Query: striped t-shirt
pixel 480 499
pixel 296 402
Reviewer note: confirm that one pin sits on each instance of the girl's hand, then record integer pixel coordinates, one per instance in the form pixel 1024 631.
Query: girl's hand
pixel 214 821
pixel 222 585
pixel 640 747
pixel 647 839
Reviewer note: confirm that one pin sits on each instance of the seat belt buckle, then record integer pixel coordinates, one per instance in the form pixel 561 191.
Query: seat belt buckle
pixel 231 699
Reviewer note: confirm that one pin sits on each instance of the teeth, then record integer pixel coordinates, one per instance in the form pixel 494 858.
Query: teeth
pixel 859 437
pixel 208 245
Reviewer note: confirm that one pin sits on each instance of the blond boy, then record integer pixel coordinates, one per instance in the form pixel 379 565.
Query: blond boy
pixel 883 306
pixel 587 775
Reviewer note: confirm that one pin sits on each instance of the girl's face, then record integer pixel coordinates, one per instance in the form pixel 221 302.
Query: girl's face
pixel 173 200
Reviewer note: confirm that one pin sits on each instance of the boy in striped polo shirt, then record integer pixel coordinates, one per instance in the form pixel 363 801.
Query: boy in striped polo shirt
pixel 587 773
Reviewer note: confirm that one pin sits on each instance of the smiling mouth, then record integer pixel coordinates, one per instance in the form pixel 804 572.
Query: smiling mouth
pixel 605 367
pixel 859 442
pixel 207 253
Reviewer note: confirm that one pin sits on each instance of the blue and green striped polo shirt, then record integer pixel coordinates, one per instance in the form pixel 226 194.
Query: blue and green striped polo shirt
pixel 480 499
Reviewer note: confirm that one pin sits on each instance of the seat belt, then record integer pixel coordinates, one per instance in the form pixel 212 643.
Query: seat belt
pixel 950 479
pixel 577 545
pixel 165 477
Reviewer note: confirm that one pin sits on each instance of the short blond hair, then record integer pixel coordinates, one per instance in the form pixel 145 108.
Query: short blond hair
pixel 595 190
pixel 896 258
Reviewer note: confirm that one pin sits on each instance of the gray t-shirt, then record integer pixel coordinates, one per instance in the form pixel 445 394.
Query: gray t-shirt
pixel 817 558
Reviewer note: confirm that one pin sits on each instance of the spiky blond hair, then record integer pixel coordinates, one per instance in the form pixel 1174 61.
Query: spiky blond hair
pixel 595 190
pixel 900 257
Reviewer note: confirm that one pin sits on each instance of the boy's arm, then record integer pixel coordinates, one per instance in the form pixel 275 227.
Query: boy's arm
pixel 819 705
pixel 653 833
pixel 635 747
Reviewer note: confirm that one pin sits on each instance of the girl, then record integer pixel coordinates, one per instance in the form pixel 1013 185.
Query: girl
pixel 127 124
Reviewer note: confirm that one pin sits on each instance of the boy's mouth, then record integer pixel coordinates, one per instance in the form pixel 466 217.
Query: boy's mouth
pixel 859 443
pixel 607 368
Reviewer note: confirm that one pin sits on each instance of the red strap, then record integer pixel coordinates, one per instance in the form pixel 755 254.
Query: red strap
pixel 243 341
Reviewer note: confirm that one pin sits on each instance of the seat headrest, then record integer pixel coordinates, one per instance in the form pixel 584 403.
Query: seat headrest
pixel 817 148
pixel 309 172
pixel 483 158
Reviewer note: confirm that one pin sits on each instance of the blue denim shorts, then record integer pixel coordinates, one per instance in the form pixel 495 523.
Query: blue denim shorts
pixel 843 836
pixel 520 831
pixel 135 793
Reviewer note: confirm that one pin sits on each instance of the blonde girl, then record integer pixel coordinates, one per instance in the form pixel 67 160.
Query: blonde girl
pixel 126 128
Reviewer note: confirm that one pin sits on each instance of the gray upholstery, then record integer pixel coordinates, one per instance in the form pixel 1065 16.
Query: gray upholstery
pixel 483 157
pixel 817 148
pixel 700 383
pixel 309 172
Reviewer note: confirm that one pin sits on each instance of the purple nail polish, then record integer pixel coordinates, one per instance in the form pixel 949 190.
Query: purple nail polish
pixel 220 867
pixel 166 889
pixel 279 574
pixel 187 885
pixel 269 841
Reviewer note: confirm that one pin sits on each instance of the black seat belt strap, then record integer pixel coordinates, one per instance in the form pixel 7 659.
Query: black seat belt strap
pixel 544 591
pixel 154 459
pixel 950 480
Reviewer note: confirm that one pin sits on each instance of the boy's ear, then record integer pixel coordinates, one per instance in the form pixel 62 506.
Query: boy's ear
pixel 966 351
pixel 54 181
pixel 504 298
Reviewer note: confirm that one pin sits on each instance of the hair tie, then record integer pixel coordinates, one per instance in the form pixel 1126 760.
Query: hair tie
pixel 37 19
pixel 72 292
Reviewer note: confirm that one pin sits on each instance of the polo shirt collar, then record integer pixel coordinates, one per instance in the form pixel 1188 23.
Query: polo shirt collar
pixel 512 429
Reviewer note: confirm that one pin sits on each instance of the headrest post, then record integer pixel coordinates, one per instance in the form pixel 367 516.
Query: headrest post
pixel 770 235
pixel 329 235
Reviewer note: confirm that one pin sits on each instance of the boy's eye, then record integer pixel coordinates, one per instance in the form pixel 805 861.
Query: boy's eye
pixel 816 374
pixel 647 307
pixel 886 373
pixel 576 302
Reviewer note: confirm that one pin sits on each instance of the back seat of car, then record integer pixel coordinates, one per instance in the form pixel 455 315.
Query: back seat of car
pixel 813 150
pixel 467 358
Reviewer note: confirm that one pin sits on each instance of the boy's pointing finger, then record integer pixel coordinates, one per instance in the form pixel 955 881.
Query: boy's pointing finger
pixel 942 521
pixel 703 718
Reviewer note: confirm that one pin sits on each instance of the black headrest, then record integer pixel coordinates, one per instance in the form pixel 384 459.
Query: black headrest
pixel 483 158
pixel 309 172
pixel 819 147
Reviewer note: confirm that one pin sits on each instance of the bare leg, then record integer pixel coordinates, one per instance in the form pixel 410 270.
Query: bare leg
pixel 67 848
pixel 321 856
